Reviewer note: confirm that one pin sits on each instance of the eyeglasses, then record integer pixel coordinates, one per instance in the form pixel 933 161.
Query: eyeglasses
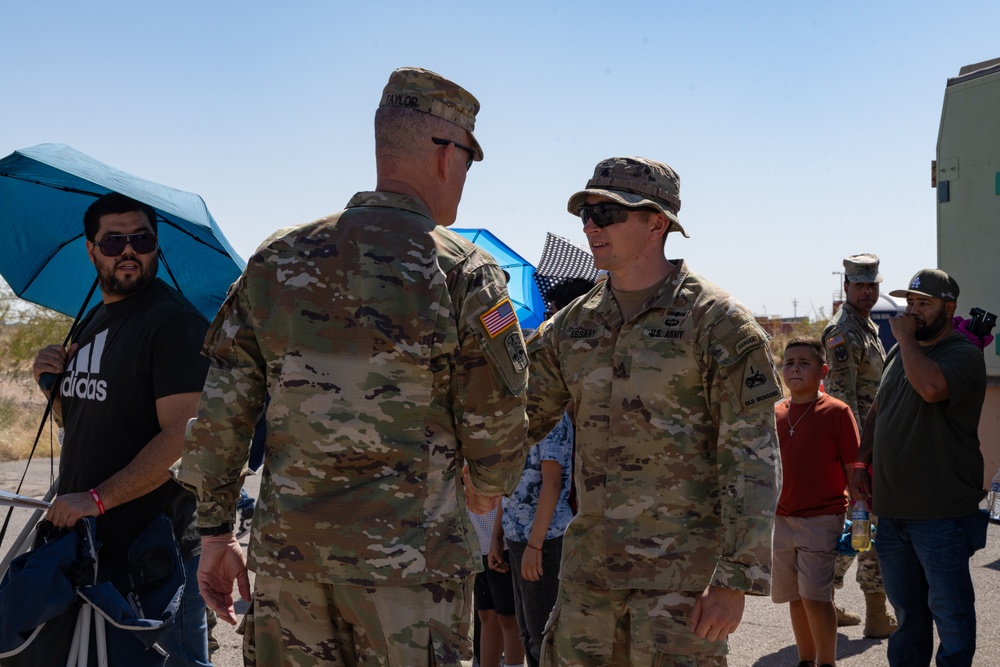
pixel 444 142
pixel 608 214
pixel 114 244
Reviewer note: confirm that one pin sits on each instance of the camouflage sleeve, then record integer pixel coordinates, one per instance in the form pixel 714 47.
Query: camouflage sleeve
pixel 489 382
pixel 547 393
pixel 744 387
pixel 844 352
pixel 217 444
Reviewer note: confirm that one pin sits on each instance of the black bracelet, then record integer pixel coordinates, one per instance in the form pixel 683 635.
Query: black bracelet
pixel 216 530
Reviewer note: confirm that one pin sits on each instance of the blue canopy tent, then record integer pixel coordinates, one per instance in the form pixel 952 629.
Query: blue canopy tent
pixel 528 304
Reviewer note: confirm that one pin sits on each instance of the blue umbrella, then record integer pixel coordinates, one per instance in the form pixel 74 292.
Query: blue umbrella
pixel 44 191
pixel 528 304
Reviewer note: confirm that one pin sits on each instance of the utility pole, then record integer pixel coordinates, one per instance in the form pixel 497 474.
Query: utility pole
pixel 795 309
pixel 840 285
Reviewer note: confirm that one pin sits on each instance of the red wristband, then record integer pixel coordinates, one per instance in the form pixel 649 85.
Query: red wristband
pixel 535 548
pixel 858 465
pixel 97 499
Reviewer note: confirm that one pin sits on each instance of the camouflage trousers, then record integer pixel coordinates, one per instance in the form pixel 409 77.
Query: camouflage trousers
pixel 625 628
pixel 869 575
pixel 305 624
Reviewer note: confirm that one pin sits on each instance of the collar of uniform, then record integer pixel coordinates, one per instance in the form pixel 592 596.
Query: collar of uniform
pixel 853 312
pixel 604 303
pixel 389 200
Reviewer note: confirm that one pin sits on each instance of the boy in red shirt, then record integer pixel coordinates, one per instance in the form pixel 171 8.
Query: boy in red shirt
pixel 818 440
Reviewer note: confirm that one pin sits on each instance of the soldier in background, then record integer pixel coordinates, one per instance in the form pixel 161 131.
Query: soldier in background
pixel 673 388
pixel 391 354
pixel 856 357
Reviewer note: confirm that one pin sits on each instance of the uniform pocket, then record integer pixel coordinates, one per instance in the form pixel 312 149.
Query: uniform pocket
pixel 447 648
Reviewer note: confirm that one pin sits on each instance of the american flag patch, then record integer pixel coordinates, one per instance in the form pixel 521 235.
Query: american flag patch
pixel 498 318
pixel 835 341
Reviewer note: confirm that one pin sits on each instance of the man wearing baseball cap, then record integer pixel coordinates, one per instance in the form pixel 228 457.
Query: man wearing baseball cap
pixel 673 388
pixel 856 357
pixel 392 355
pixel 921 444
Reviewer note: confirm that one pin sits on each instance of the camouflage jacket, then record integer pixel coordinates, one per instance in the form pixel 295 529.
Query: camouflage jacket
pixel 677 463
pixel 391 355
pixel 856 357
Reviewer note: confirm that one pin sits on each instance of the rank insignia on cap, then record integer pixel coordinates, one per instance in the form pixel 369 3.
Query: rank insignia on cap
pixel 498 318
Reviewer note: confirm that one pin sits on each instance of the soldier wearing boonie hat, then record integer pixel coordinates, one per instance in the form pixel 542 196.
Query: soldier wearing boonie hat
pixel 856 357
pixel 921 467
pixel 658 359
pixel 391 352
pixel 634 182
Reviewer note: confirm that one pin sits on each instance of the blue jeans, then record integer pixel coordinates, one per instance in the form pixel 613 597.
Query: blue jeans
pixel 925 568
pixel 533 600
pixel 187 640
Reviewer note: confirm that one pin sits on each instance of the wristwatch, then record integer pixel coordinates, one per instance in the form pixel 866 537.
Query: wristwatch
pixel 217 530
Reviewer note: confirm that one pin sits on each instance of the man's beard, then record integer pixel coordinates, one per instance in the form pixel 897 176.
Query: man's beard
pixel 931 329
pixel 111 285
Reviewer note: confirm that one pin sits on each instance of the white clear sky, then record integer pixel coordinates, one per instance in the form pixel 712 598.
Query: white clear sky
pixel 802 131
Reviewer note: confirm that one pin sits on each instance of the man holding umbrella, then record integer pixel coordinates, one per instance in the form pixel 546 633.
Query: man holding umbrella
pixel 126 388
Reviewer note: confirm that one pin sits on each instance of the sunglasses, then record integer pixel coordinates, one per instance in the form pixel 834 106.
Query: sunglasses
pixel 608 214
pixel 114 244
pixel 444 142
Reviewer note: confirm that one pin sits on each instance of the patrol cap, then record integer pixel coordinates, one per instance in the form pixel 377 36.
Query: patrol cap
pixel 428 91
pixel 634 182
pixel 862 268
pixel 934 283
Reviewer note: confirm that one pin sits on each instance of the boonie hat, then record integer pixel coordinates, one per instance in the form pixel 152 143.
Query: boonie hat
pixel 862 268
pixel 428 91
pixel 634 182
pixel 934 283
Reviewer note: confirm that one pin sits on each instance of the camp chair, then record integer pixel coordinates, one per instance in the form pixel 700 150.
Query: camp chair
pixel 58 608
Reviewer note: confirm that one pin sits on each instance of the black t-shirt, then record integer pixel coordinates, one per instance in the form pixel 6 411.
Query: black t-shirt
pixel 926 459
pixel 132 352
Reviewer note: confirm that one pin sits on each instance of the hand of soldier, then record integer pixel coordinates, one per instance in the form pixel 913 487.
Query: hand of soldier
pixel 903 326
pixel 860 487
pixel 67 509
pixel 717 613
pixel 221 564
pixel 475 501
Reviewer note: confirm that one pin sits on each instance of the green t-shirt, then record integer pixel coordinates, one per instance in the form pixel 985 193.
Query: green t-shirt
pixel 927 463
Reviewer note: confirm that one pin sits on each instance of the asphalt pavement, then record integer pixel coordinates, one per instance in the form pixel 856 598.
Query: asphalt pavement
pixel 764 638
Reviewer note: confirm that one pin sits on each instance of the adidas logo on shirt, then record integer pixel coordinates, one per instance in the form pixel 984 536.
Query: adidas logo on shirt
pixel 79 381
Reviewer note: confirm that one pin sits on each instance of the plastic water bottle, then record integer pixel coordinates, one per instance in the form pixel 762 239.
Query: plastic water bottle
pixel 861 527
pixel 994 498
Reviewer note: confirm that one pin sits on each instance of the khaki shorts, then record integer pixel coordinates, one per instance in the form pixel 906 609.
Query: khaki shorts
pixel 305 623
pixel 804 556
pixel 622 628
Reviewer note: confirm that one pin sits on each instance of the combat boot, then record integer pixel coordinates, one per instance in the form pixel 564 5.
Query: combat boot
pixel 845 618
pixel 879 624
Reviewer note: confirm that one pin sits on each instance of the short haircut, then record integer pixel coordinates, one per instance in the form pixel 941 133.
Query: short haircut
pixel 811 342
pixel 398 128
pixel 111 204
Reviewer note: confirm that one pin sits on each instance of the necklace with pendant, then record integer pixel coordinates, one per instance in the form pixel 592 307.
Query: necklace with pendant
pixel 791 426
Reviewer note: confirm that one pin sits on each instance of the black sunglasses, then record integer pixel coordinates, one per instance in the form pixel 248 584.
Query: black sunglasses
pixel 114 244
pixel 444 142
pixel 608 214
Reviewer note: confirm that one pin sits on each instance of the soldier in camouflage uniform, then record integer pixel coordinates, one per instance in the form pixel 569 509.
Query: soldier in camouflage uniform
pixel 677 466
pixel 391 354
pixel 856 356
